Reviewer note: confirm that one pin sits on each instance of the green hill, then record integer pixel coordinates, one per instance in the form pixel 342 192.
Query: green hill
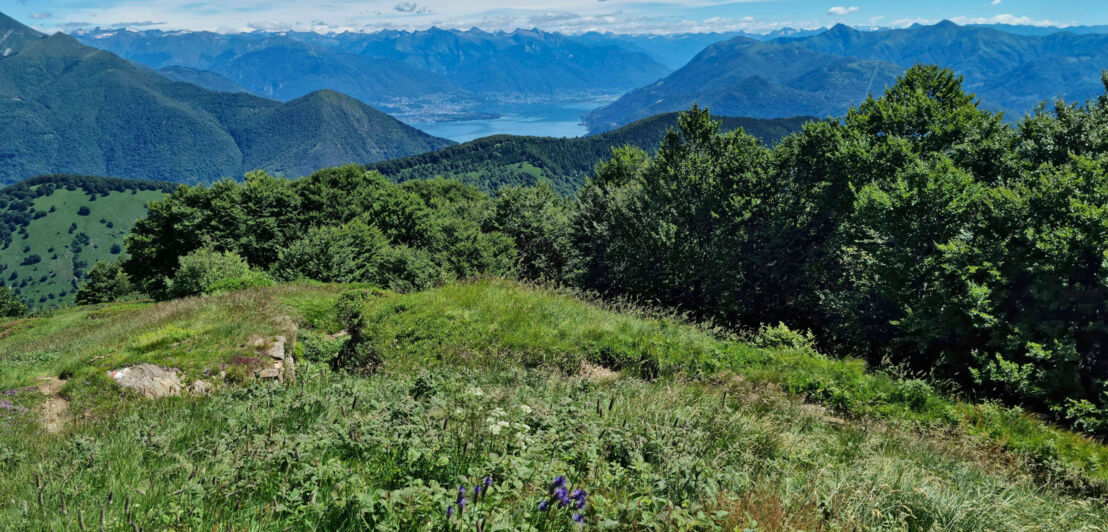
pixel 69 108
pixel 661 424
pixel 47 244
pixel 564 163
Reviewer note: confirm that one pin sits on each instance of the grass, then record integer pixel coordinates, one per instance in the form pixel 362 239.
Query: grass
pixel 696 431
pixel 50 282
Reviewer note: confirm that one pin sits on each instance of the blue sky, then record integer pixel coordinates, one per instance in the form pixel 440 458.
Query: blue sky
pixel 624 16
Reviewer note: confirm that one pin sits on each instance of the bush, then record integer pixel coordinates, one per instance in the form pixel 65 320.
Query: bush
pixel 10 304
pixel 84 211
pixel 782 337
pixel 200 271
pixel 106 282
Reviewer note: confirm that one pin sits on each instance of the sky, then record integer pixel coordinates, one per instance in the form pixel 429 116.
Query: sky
pixel 570 16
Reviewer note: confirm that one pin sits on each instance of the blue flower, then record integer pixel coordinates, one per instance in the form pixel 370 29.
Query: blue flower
pixel 488 482
pixel 559 482
pixel 579 518
pixel 580 495
pixel 461 503
pixel 450 511
pixel 544 506
pixel 477 491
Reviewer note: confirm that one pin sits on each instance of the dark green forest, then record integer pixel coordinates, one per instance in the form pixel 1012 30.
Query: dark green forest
pixel 563 163
pixel 918 232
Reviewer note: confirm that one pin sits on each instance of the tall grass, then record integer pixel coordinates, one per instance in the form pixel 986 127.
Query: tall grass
pixel 698 432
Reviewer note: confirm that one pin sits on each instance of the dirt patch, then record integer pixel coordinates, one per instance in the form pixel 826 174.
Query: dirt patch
pixel 597 373
pixel 53 413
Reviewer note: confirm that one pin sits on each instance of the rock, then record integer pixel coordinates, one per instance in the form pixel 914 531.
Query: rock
pixel 274 349
pixel 199 388
pixel 148 380
pixel 269 374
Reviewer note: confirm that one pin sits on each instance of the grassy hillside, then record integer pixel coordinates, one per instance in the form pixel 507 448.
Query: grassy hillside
pixel 69 108
pixel 501 160
pixel 664 424
pixel 49 241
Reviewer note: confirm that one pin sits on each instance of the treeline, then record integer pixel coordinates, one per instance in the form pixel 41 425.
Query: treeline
pixel 17 202
pixel 918 231
pixel 563 163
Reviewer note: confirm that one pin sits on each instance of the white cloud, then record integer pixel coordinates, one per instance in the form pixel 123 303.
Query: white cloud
pixel 842 10
pixel 995 2
pixel 995 19
pixel 40 16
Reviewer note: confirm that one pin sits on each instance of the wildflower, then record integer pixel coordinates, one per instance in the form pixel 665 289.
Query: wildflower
pixel 461 505
pixel 579 518
pixel 450 511
pixel 544 506
pixel 476 392
pixel 476 492
pixel 488 482
pixel 563 497
pixel 580 496
pixel 525 409
pixel 559 482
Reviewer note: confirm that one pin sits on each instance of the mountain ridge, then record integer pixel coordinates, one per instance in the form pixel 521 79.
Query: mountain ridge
pixel 70 108
pixel 826 73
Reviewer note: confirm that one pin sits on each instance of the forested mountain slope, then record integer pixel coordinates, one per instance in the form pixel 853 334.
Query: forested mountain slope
pixel 69 108
pixel 824 74
pixel 564 163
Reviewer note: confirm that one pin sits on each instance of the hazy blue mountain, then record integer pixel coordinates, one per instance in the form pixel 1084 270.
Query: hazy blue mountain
pixel 745 77
pixel 824 74
pixel 201 78
pixel 520 62
pixel 69 108
pixel 1042 30
pixel 674 50
pixel 433 72
pixel 1009 72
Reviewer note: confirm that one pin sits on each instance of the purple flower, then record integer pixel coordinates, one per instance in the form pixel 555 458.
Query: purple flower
pixel 563 497
pixel 579 495
pixel 579 518
pixel 450 511
pixel 461 504
pixel 559 482
pixel 488 482
pixel 544 506
pixel 461 491
pixel 477 491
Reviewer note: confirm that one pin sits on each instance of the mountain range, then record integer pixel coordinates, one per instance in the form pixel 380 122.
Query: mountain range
pixel 418 76
pixel 70 108
pixel 826 73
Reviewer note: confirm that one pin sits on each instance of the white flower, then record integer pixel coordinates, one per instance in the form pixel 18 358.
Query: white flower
pixel 498 426
pixel 525 409
pixel 499 412
pixel 476 392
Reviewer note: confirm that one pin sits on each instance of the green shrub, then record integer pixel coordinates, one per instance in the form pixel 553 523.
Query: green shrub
pixel 782 337
pixel 106 282
pixel 10 304
pixel 203 269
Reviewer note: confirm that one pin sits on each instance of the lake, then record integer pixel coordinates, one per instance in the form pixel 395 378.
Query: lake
pixel 536 119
